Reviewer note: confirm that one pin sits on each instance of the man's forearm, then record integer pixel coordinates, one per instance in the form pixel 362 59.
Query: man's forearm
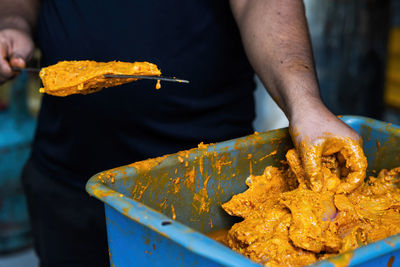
pixel 276 40
pixel 19 14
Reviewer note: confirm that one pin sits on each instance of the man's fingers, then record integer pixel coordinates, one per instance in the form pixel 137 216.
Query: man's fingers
pixel 5 70
pixel 21 50
pixel 312 162
pixel 16 48
pixel 356 162
pixel 351 156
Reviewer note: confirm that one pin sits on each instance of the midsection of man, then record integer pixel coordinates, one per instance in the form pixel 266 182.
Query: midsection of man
pixel 197 40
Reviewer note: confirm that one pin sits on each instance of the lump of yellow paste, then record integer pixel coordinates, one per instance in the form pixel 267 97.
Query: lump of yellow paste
pixel 287 223
pixel 85 77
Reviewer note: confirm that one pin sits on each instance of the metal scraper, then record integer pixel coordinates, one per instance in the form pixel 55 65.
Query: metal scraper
pixel 161 78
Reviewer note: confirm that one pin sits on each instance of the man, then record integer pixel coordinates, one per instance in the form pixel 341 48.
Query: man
pixel 199 40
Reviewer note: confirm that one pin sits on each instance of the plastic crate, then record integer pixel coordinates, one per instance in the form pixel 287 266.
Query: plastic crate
pixel 141 198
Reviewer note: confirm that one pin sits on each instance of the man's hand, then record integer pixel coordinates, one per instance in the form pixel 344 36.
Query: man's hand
pixel 277 43
pixel 16 48
pixel 17 20
pixel 316 132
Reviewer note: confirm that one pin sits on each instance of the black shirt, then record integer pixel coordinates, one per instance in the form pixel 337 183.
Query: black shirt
pixel 80 135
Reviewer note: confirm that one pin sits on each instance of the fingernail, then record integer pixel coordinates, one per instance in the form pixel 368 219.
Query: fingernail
pixel 17 62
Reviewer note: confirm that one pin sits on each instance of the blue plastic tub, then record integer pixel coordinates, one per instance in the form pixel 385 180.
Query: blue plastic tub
pixel 142 199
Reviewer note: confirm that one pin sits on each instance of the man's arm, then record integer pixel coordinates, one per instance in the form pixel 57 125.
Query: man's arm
pixel 17 20
pixel 276 39
pixel 275 36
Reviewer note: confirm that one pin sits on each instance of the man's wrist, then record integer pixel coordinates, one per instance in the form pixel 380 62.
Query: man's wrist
pixel 306 106
pixel 16 23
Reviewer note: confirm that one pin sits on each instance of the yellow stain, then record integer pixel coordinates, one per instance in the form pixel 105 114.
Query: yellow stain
pixel 392 90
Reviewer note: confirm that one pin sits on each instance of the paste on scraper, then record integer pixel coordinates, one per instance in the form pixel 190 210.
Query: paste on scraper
pixel 287 223
pixel 85 77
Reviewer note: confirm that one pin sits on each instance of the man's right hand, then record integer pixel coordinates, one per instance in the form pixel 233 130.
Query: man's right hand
pixel 16 48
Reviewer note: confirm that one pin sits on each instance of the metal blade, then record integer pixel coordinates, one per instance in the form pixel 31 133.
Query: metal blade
pixel 161 78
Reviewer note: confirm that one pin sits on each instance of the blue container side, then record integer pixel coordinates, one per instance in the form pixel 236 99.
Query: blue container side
pixel 155 249
pixel 130 223
pixel 138 216
pixel 374 254
pixel 156 185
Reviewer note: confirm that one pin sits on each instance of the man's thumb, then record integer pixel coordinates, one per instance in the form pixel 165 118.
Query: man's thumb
pixel 17 61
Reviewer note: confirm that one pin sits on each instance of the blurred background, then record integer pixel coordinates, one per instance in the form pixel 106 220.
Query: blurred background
pixel 357 53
